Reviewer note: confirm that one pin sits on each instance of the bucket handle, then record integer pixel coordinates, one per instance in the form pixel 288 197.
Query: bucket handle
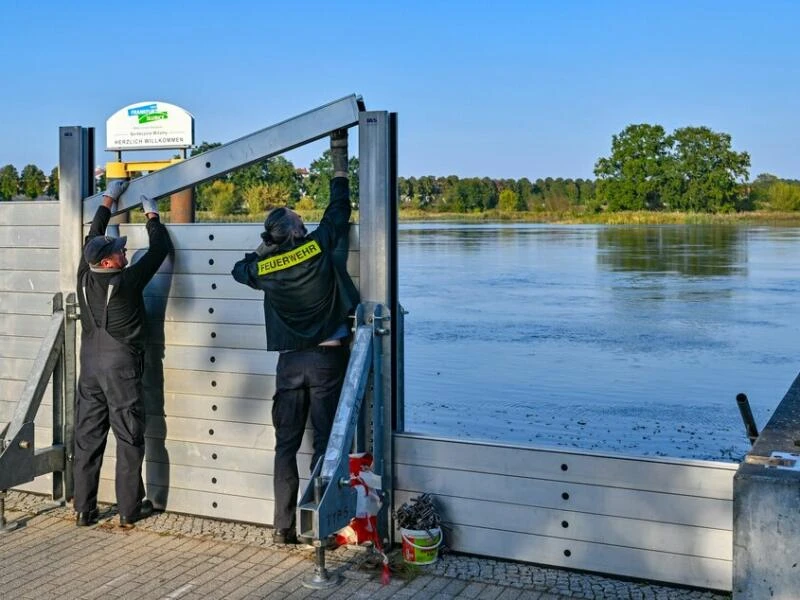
pixel 439 543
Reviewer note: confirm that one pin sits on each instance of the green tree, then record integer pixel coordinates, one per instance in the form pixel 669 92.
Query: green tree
pixel 783 195
pixel 405 191
pixel 203 147
pixel 759 189
pixel 52 184
pixel 265 196
pixel 585 191
pixel 694 169
pixel 220 197
pixel 425 192
pixel 707 173
pixel 281 171
pixel 320 173
pixel 32 181
pixel 509 200
pixel 571 191
pixel 632 178
pixel 524 189
pixel 305 203
pixel 201 191
pixel 464 195
pixel 9 182
pixel 249 176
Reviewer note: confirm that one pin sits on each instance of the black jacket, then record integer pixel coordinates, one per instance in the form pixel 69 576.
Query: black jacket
pixel 307 292
pixel 126 312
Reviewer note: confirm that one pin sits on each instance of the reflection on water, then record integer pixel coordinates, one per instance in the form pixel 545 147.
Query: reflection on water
pixel 624 339
pixel 696 251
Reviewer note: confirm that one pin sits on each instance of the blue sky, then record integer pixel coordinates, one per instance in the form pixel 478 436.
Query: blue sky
pixel 498 89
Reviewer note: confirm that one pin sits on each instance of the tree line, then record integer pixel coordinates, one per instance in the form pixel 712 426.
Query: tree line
pixel 692 169
pixel 30 183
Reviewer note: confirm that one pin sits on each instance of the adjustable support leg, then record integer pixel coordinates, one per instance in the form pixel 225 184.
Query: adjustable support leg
pixel 5 527
pixel 321 579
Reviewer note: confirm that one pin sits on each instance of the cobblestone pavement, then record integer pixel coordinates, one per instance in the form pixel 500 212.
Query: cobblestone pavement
pixel 179 557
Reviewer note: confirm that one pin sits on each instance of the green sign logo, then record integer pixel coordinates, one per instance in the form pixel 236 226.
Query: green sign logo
pixel 153 116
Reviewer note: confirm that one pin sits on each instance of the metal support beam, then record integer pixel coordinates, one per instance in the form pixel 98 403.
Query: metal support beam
pixel 70 375
pixel 20 461
pixel 326 505
pixel 43 366
pixel 75 182
pixel 58 409
pixel 378 278
pixel 289 134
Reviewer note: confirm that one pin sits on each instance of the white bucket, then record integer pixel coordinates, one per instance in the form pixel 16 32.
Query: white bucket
pixel 421 546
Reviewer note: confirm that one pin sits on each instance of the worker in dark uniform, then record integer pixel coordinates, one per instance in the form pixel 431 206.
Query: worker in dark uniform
pixel 112 351
pixel 307 298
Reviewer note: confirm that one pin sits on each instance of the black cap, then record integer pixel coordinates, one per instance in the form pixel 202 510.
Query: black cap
pixel 103 246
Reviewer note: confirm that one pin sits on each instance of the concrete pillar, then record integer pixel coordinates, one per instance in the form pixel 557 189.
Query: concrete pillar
pixel 766 509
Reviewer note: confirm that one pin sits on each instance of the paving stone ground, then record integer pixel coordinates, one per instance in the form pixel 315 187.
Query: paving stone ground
pixel 179 557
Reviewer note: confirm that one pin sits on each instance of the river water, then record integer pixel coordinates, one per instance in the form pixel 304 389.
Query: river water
pixel 623 339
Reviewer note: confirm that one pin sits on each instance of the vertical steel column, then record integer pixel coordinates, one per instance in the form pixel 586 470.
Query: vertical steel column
pixel 58 410
pixel 76 182
pixel 377 151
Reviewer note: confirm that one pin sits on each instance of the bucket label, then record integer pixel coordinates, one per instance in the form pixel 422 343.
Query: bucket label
pixel 421 547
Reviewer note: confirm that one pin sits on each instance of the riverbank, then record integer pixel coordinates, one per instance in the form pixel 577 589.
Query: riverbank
pixel 612 218
pixel 785 219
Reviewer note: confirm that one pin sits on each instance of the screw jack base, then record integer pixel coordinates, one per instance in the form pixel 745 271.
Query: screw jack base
pixel 321 581
pixel 6 527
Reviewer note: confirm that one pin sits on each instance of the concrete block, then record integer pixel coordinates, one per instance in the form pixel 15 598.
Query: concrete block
pixel 766 511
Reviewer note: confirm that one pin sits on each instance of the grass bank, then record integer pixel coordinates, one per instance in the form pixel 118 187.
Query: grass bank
pixel 556 217
pixel 615 218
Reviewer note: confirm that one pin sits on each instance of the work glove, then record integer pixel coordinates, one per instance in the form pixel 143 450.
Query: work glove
pixel 148 205
pixel 339 152
pixel 115 189
pixel 261 251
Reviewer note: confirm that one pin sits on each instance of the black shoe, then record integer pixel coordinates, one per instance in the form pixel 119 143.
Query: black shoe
pixel 144 510
pixel 284 536
pixel 86 518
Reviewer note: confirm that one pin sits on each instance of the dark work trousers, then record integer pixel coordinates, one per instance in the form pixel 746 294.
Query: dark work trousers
pixel 109 392
pixel 308 382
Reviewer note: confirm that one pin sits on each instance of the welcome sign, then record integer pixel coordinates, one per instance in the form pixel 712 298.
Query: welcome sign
pixel 148 126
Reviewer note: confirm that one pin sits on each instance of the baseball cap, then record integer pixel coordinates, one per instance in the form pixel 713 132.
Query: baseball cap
pixel 103 246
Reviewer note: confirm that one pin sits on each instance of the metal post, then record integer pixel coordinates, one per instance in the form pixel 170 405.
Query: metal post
pixel 377 396
pixel 70 362
pixel 400 362
pixel 76 182
pixel 378 272
pixel 58 410
pixel 747 417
